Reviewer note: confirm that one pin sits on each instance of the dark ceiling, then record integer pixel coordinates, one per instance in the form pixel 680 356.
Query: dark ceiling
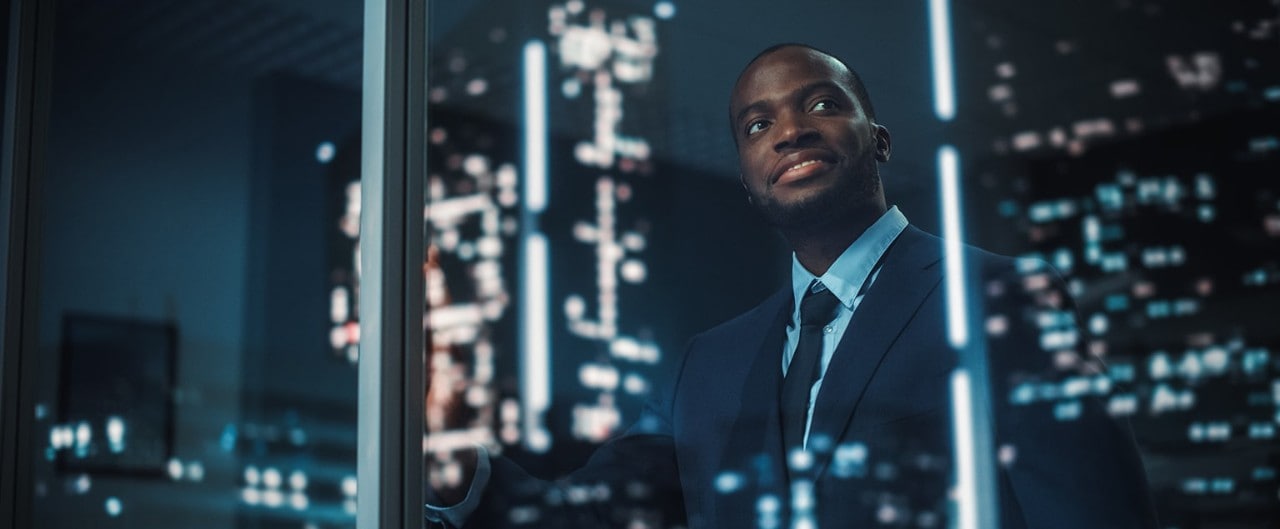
pixel 705 44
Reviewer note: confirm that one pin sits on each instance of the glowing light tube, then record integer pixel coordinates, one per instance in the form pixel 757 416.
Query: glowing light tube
pixel 966 469
pixel 536 353
pixel 973 442
pixel 535 302
pixel 953 254
pixel 944 98
pixel 535 127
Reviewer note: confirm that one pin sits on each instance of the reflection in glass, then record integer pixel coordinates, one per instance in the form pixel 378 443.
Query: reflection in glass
pixel 197 296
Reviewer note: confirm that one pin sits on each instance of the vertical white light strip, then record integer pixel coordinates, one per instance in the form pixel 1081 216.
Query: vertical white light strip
pixel 952 234
pixel 966 469
pixel 975 471
pixel 536 363
pixel 944 99
pixel 535 126
pixel 535 303
pixel 369 369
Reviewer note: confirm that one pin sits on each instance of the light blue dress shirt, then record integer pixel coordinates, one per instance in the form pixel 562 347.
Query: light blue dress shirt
pixel 849 278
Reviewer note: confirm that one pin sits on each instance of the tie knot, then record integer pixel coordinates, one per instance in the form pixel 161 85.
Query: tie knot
pixel 818 308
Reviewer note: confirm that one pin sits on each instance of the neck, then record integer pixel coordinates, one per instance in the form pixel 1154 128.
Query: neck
pixel 817 247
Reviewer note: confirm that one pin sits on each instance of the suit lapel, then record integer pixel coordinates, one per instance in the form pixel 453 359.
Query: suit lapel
pixel 906 278
pixel 755 444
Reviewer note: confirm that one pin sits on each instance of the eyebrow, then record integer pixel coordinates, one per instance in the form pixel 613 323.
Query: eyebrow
pixel 804 91
pixel 749 109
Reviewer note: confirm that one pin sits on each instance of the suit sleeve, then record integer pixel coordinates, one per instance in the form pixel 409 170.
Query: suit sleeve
pixel 1065 462
pixel 457 515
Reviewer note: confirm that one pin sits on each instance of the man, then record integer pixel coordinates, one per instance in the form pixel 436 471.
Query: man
pixel 827 405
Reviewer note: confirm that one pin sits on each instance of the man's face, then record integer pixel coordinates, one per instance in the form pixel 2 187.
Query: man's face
pixel 806 149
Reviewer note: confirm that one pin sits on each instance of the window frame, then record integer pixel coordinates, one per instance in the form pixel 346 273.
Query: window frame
pixel 391 381
pixel 391 368
pixel 26 102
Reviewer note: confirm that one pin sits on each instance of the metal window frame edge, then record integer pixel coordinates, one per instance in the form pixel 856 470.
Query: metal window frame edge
pixel 26 98
pixel 393 167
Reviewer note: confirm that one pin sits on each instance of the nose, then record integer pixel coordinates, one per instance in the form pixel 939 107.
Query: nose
pixel 794 130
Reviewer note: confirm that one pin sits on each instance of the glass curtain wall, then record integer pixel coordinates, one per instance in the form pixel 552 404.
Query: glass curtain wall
pixel 559 221
pixel 200 281
pixel 198 267
pixel 585 218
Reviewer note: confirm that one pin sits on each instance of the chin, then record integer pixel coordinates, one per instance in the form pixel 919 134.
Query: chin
pixel 813 212
pixel 822 207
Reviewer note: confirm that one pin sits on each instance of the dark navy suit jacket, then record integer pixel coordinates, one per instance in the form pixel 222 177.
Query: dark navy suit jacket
pixel 707 452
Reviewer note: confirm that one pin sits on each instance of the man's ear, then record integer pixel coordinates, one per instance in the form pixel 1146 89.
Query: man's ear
pixel 743 182
pixel 884 142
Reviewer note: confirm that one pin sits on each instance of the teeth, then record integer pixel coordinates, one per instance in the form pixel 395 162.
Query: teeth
pixel 802 164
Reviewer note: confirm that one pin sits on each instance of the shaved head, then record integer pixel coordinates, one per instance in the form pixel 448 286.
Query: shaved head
pixel 851 79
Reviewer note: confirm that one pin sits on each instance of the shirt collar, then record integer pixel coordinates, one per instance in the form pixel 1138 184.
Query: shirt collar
pixel 849 271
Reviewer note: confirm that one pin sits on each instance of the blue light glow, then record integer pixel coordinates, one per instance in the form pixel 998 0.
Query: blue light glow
pixel 664 10
pixel 944 99
pixel 952 233
pixel 535 126
pixel 535 304
pixel 965 492
pixel 113 506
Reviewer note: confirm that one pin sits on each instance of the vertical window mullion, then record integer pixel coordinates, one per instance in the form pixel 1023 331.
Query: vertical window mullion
pixel 391 360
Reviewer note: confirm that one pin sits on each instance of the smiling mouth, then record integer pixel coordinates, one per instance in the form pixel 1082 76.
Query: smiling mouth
pixel 802 164
pixel 800 171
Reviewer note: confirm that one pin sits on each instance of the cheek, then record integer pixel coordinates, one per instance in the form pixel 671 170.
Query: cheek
pixel 758 181
pixel 761 158
pixel 749 167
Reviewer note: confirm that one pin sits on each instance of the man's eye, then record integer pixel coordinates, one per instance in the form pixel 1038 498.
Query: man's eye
pixel 825 104
pixel 756 126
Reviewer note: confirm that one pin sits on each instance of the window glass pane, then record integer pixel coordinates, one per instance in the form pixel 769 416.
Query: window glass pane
pixel 571 253
pixel 198 348
pixel 586 216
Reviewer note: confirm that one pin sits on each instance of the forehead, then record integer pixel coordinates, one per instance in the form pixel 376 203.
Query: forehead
pixel 776 74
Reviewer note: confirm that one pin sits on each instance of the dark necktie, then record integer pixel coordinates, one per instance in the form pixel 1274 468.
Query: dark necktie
pixel 817 309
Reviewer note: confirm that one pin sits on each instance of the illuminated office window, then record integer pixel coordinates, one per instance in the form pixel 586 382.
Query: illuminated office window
pixel 1138 169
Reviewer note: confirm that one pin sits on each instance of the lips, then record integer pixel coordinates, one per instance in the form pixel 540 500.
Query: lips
pixel 805 163
pixel 801 165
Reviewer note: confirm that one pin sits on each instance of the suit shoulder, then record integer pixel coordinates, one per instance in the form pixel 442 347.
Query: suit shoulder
pixel 992 266
pixel 999 266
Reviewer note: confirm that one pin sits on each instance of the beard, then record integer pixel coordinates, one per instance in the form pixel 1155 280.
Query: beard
pixel 848 195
